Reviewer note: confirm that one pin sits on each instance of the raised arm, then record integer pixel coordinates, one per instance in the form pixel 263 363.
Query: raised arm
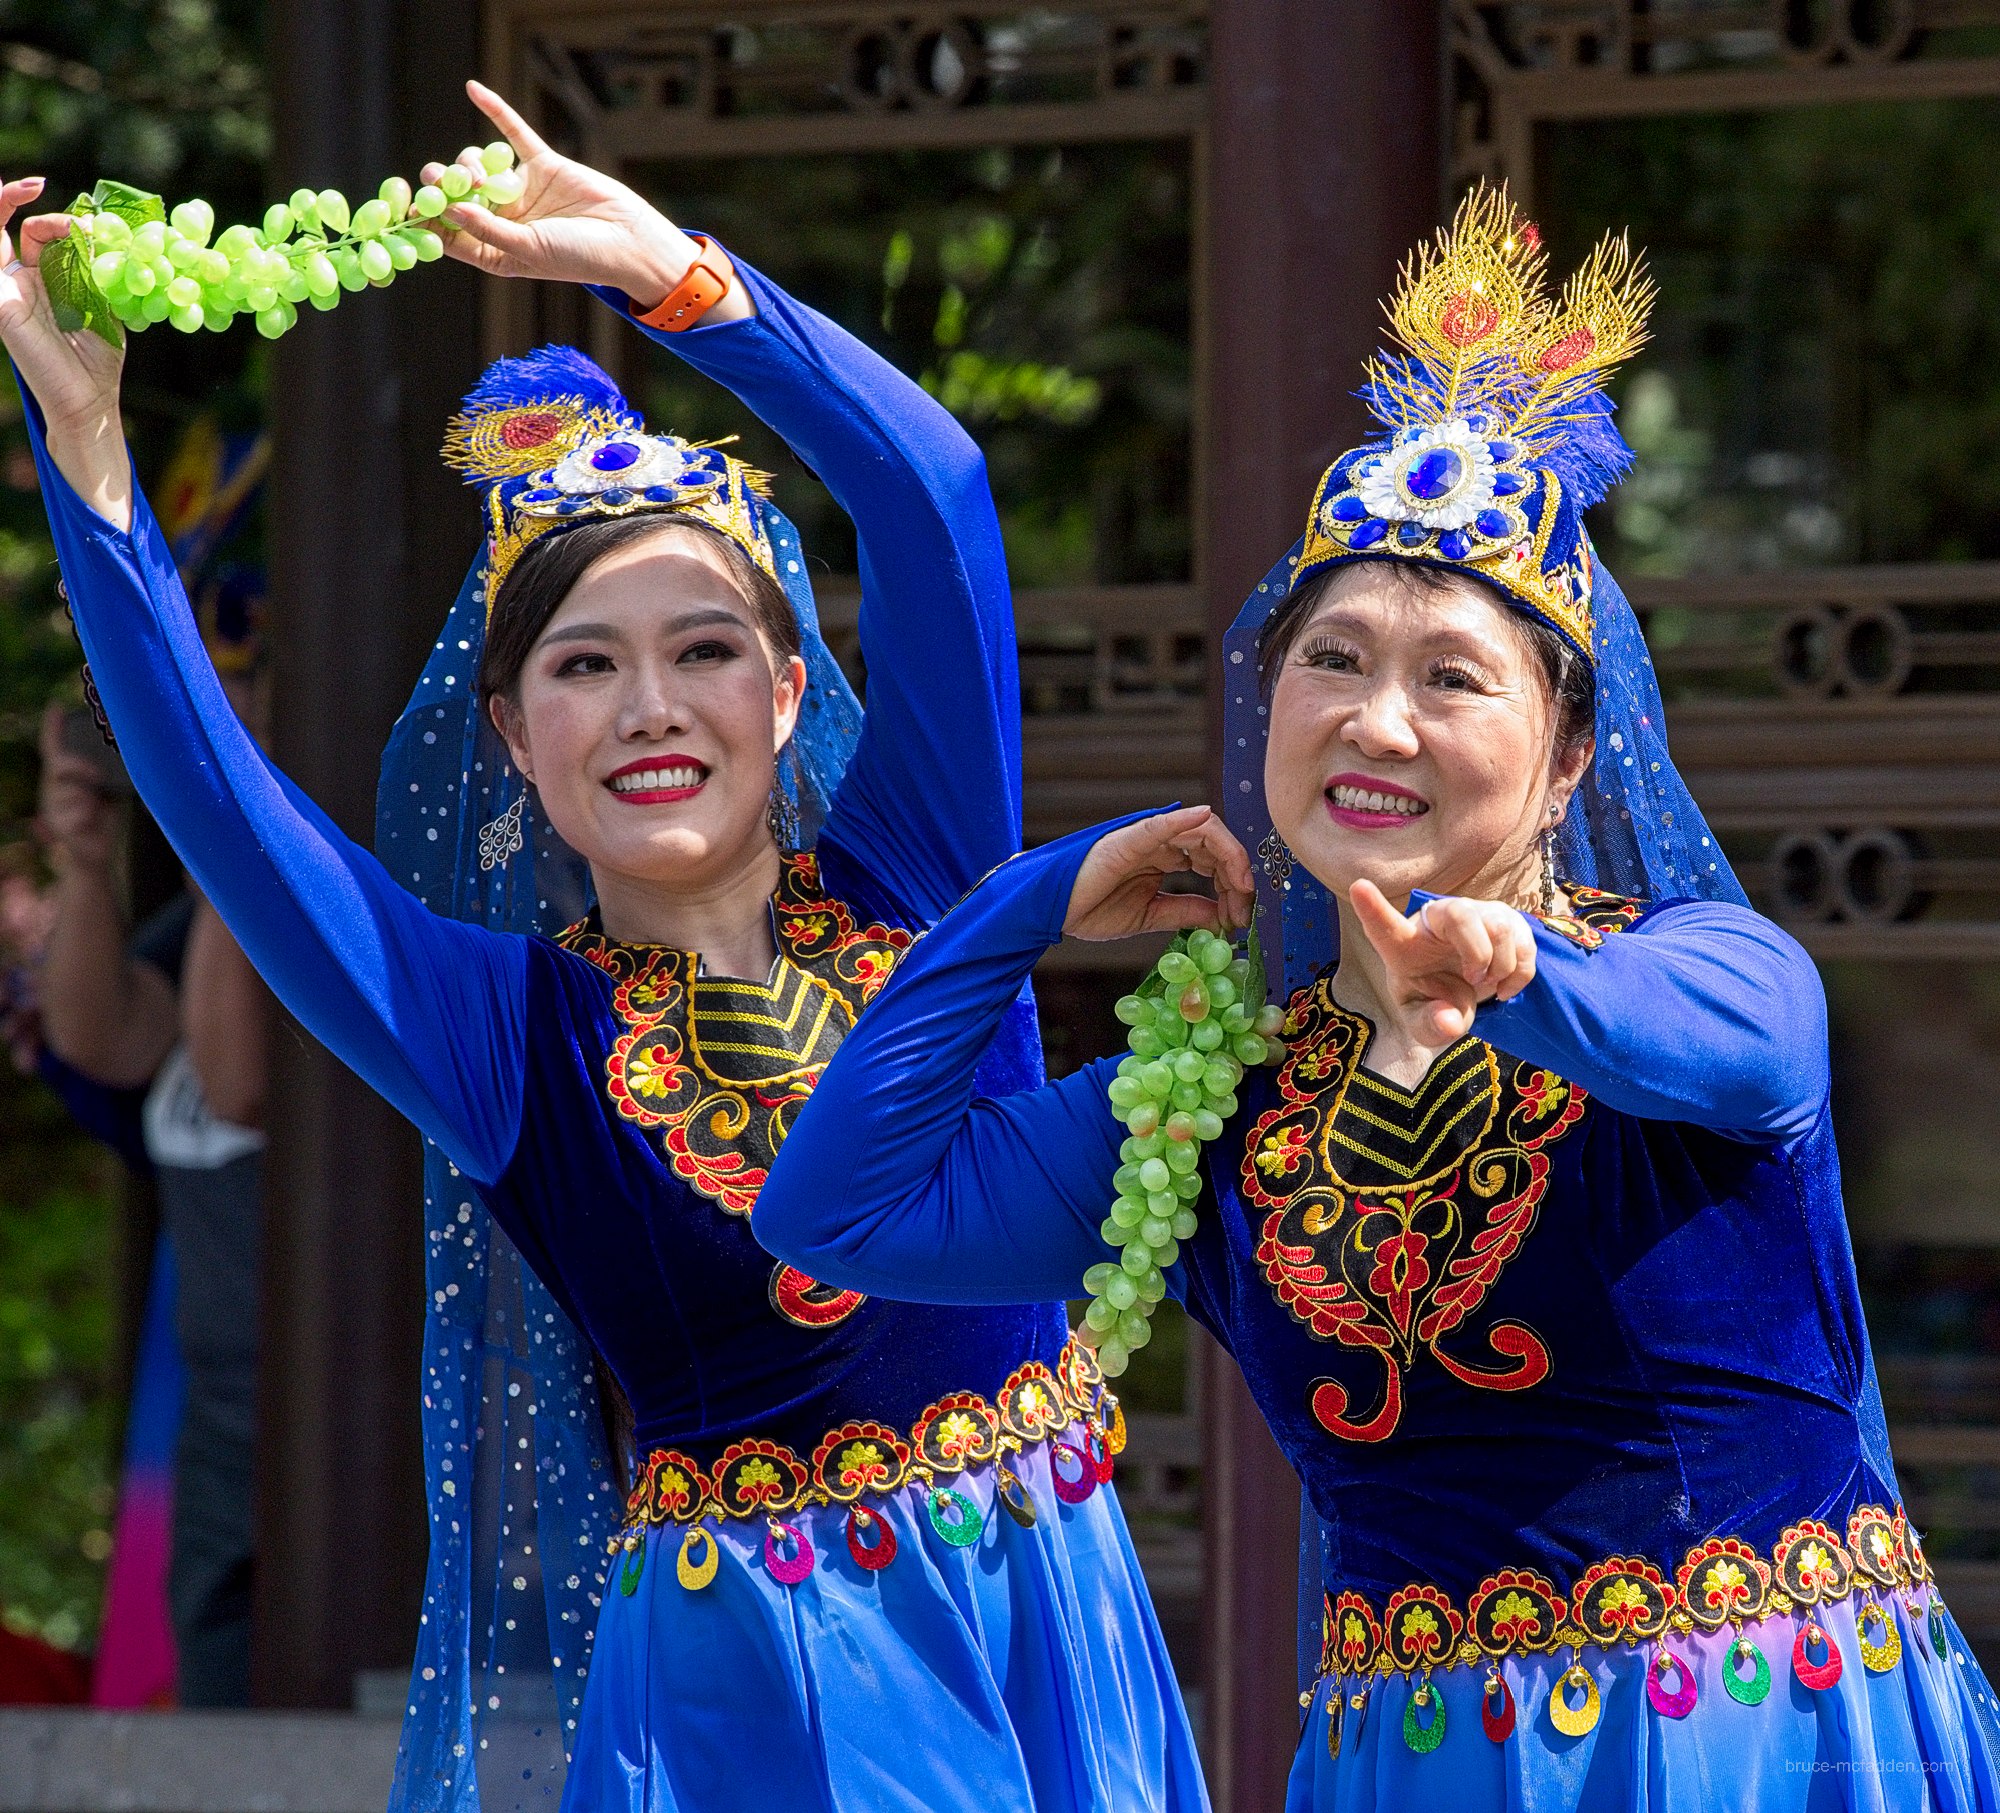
pixel 932 799
pixel 428 1011
pixel 895 1178
pixel 1702 1012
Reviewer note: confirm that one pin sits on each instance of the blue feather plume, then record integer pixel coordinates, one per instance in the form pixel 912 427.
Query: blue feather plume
pixel 544 375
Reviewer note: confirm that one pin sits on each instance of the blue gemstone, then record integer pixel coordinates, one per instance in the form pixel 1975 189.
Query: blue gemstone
pixel 1502 451
pixel 615 456
pixel 1495 525
pixel 1454 544
pixel 1505 484
pixel 1408 435
pixel 540 496
pixel 697 475
pixel 1412 534
pixel 1434 474
pixel 1348 509
pixel 569 506
pixel 660 494
pixel 616 496
pixel 1370 532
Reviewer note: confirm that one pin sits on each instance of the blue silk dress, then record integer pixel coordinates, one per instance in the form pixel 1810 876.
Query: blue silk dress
pixel 619 1110
pixel 1565 1344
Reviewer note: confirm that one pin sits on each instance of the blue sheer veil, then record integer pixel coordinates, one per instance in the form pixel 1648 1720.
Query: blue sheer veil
pixel 1632 828
pixel 520 1478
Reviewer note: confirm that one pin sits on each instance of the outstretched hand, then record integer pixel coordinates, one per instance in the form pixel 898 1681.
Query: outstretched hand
pixel 572 224
pixel 1119 890
pixel 1442 963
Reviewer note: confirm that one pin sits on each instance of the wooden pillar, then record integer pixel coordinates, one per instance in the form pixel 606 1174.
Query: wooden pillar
pixel 1325 164
pixel 369 538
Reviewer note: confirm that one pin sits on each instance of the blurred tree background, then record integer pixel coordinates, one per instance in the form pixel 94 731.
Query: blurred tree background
pixel 167 95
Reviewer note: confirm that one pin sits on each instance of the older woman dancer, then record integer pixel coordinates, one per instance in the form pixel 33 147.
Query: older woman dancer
pixel 1531 1247
pixel 844 1578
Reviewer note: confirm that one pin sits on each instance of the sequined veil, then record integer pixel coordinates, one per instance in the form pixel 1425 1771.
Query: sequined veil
pixel 1495 436
pixel 521 1482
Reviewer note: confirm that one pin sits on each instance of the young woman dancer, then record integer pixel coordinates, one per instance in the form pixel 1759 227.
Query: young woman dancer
pixel 1531 1247
pixel 846 1577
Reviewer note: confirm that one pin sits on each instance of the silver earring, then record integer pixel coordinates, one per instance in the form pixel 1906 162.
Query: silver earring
pixel 783 818
pixel 1275 857
pixel 1549 862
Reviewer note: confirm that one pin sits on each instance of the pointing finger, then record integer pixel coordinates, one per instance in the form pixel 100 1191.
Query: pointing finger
pixel 526 141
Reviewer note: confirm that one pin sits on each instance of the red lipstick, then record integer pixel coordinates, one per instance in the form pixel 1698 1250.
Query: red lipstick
pixel 666 779
pixel 1366 802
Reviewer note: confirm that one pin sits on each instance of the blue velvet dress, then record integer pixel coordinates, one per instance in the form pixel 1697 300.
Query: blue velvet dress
pixel 619 1111
pixel 1564 1342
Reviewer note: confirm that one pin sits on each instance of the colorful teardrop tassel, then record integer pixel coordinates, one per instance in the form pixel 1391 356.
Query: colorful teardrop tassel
pixel 875 1555
pixel 1680 1702
pixel 1072 1490
pixel 1422 1738
pixel 1115 1432
pixel 1753 1691
pixel 962 1529
pixel 1013 1496
pixel 1097 1451
pixel 790 1569
pixel 1882 1655
pixel 1336 1719
pixel 692 1574
pixel 1817 1675
pixel 1575 1720
pixel 1497 1721
pixel 633 1565
pixel 1940 1637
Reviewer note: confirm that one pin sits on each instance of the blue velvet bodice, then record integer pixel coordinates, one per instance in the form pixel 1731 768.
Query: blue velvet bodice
pixel 1641 1334
pixel 711 1339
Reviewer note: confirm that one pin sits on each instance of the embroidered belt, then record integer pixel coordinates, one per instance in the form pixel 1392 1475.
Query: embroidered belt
pixel 862 1459
pixel 1625 1599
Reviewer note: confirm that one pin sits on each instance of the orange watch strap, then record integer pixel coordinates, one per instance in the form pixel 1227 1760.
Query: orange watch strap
pixel 706 283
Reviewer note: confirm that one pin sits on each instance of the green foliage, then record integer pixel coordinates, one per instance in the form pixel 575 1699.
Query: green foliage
pixel 1824 381
pixel 58 1419
pixel 167 94
pixel 1040 294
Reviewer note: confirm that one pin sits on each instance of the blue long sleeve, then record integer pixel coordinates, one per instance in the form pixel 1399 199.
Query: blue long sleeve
pixel 429 1012
pixel 895 1179
pixel 932 798
pixel 1702 1012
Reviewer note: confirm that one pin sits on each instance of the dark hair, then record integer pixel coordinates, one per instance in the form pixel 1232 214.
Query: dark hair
pixel 1565 673
pixel 543 577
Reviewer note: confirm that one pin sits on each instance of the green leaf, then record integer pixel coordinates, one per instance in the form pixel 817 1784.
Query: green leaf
pixel 73 293
pixel 134 206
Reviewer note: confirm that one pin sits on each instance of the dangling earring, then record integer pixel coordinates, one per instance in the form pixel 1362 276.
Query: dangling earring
pixel 781 813
pixel 783 818
pixel 1549 863
pixel 1275 857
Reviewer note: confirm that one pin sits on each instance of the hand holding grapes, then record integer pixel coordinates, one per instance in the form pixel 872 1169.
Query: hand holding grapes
pixel 569 223
pixel 74 375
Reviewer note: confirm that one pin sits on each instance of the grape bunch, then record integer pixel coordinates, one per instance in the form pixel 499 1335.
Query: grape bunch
pixel 128 262
pixel 1196 1021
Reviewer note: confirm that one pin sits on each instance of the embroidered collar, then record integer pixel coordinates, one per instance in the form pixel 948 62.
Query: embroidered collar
pixel 718 1065
pixel 1393 1212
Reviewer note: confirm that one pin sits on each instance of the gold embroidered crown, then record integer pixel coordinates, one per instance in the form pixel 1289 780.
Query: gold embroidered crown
pixel 1498 434
pixel 553 444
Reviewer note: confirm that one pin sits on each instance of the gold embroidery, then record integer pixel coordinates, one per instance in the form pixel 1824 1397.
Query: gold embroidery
pixel 717 1066
pixel 1393 1212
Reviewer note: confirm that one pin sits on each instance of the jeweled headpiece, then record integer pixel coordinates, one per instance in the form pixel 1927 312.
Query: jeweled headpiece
pixel 1498 434
pixel 554 444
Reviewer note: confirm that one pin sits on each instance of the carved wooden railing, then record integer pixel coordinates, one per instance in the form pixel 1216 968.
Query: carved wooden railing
pixel 1521 62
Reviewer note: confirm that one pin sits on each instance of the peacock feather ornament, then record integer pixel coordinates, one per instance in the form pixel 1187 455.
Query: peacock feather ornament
pixel 1497 434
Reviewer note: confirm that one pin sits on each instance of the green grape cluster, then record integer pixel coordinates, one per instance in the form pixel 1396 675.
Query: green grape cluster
pixel 129 263
pixel 1196 1021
